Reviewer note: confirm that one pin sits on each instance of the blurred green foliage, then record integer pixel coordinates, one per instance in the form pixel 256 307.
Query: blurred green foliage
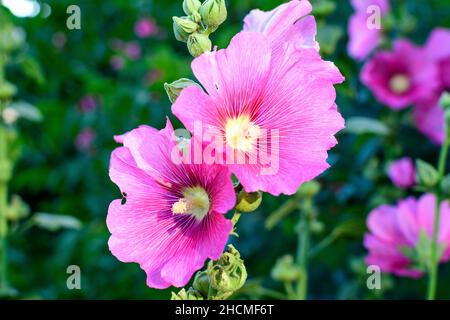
pixel 56 174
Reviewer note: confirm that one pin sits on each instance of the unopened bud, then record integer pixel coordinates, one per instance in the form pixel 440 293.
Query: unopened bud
pixel 213 12
pixel 191 294
pixel 309 189
pixel 426 174
pixel 228 274
pixel 174 89
pixel 248 201
pixel 17 209
pixel 10 115
pixel 198 44
pixel 285 270
pixel 189 6
pixel 201 283
pixel 183 27
pixel 7 90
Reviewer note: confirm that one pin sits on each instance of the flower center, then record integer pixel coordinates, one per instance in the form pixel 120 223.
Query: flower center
pixel 241 133
pixel 195 202
pixel 400 83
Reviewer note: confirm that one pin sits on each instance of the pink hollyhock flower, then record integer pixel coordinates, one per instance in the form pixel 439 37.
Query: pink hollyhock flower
pixel 288 23
pixel 265 101
pixel 429 119
pixel 438 48
pixel 84 140
pixel 402 173
pixel 394 233
pixel 173 216
pixel 88 103
pixel 145 27
pixel 401 77
pixel 364 37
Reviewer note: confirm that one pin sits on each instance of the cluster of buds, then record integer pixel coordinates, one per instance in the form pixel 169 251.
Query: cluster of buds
pixel 219 281
pixel 200 21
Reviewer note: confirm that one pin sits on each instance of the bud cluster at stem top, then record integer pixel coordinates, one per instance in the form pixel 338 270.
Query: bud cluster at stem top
pixel 200 21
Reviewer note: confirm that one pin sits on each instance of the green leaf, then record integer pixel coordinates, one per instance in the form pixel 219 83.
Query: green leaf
pixel 362 125
pixel 26 111
pixel 55 222
pixel 32 69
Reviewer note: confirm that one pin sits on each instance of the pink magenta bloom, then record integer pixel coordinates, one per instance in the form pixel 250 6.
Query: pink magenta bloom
pixel 363 39
pixel 133 50
pixel 438 48
pixel 173 216
pixel 401 77
pixel 145 28
pixel 268 95
pixel 395 228
pixel 429 119
pixel 402 173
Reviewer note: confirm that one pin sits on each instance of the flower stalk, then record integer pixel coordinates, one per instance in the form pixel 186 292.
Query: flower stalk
pixel 433 272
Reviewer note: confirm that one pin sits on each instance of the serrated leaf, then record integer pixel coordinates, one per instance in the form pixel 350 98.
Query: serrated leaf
pixel 362 125
pixel 55 222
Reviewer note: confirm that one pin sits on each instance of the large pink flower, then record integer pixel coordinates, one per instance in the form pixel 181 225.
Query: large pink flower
pixel 402 172
pixel 264 98
pixel 395 230
pixel 173 216
pixel 401 77
pixel 438 48
pixel 363 38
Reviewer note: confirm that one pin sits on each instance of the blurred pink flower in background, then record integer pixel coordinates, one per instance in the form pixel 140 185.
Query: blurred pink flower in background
pixel 363 39
pixel 133 50
pixel 173 217
pixel 438 48
pixel 428 117
pixel 402 173
pixel 84 140
pixel 401 77
pixel 394 233
pixel 145 27
pixel 117 63
pixel 270 79
pixel 87 103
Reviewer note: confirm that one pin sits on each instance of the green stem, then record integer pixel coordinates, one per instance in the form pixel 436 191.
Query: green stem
pixel 433 272
pixel 302 256
pixel 3 205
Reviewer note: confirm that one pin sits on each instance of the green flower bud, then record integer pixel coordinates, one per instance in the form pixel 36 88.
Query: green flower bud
pixel 285 270
pixel 214 13
pixel 228 274
pixel 183 27
pixel 195 16
pixel 189 6
pixel 18 209
pixel 198 44
pixel 201 283
pixel 309 189
pixel 191 294
pixel 426 174
pixel 174 89
pixel 248 201
pixel 7 90
pixel 445 185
